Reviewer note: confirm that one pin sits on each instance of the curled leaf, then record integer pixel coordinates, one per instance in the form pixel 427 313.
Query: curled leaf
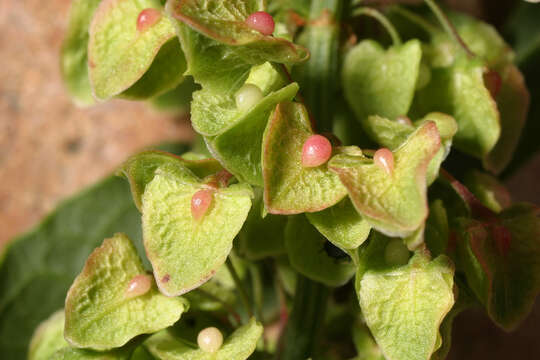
pixel 395 203
pixel 290 188
pixel 238 346
pixel 404 306
pixel 226 23
pixel 99 315
pixel 501 260
pixel 186 250
pixel 48 337
pixel 121 53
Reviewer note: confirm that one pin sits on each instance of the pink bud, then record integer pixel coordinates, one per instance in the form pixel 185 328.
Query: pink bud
pixel 147 18
pixel 316 151
pixel 139 285
pixel 385 160
pixel 262 22
pixel 200 202
pixel 493 82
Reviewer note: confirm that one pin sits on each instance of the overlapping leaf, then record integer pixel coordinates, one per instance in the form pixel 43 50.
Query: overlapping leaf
pixel 290 188
pixel 238 346
pixel 120 54
pixel 392 134
pixel 404 305
pixel 311 256
pixel 488 190
pixel 225 23
pixel 140 169
pixel 513 104
pixel 239 147
pixel 341 224
pixel 184 251
pixel 262 236
pixel 48 337
pixel 381 82
pixel 99 315
pixel 501 260
pixel 459 90
pixel 74 56
pixel 395 203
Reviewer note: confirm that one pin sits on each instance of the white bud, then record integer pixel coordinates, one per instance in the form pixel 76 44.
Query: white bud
pixel 248 96
pixel 210 339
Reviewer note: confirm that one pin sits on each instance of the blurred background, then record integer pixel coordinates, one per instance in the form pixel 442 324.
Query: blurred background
pixel 50 149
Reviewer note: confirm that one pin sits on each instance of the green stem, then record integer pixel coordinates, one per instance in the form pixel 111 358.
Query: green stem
pixel 383 20
pixel 240 287
pixel 415 19
pixel 317 76
pixel 448 26
pixel 305 322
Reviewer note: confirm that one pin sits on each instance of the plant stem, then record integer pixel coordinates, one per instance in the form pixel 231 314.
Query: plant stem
pixel 317 76
pixel 303 327
pixel 415 19
pixel 240 287
pixel 383 20
pixel 448 26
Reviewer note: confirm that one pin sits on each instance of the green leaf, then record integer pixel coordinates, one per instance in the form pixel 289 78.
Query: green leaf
pixel 395 203
pixel 381 82
pixel 262 236
pixel 310 256
pixel 121 55
pixel 501 260
pixel 365 345
pixel 82 354
pixel 404 305
pixel 225 23
pixel 215 112
pixel 488 190
pixel 140 169
pixel 513 104
pixel 74 54
pixel 100 314
pixel 48 337
pixel 239 147
pixel 178 100
pixel 437 232
pixel 186 252
pixel 238 346
pixel 341 224
pixel 290 188
pixel 459 90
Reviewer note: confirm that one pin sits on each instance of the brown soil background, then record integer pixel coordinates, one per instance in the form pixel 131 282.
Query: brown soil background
pixel 50 149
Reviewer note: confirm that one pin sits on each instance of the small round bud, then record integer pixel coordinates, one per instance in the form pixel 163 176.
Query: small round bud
pixel 200 202
pixel 385 160
pixel 147 18
pixel 210 339
pixel 139 285
pixel 262 22
pixel 248 96
pixel 493 82
pixel 316 151
pixel 404 120
pixel 396 253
